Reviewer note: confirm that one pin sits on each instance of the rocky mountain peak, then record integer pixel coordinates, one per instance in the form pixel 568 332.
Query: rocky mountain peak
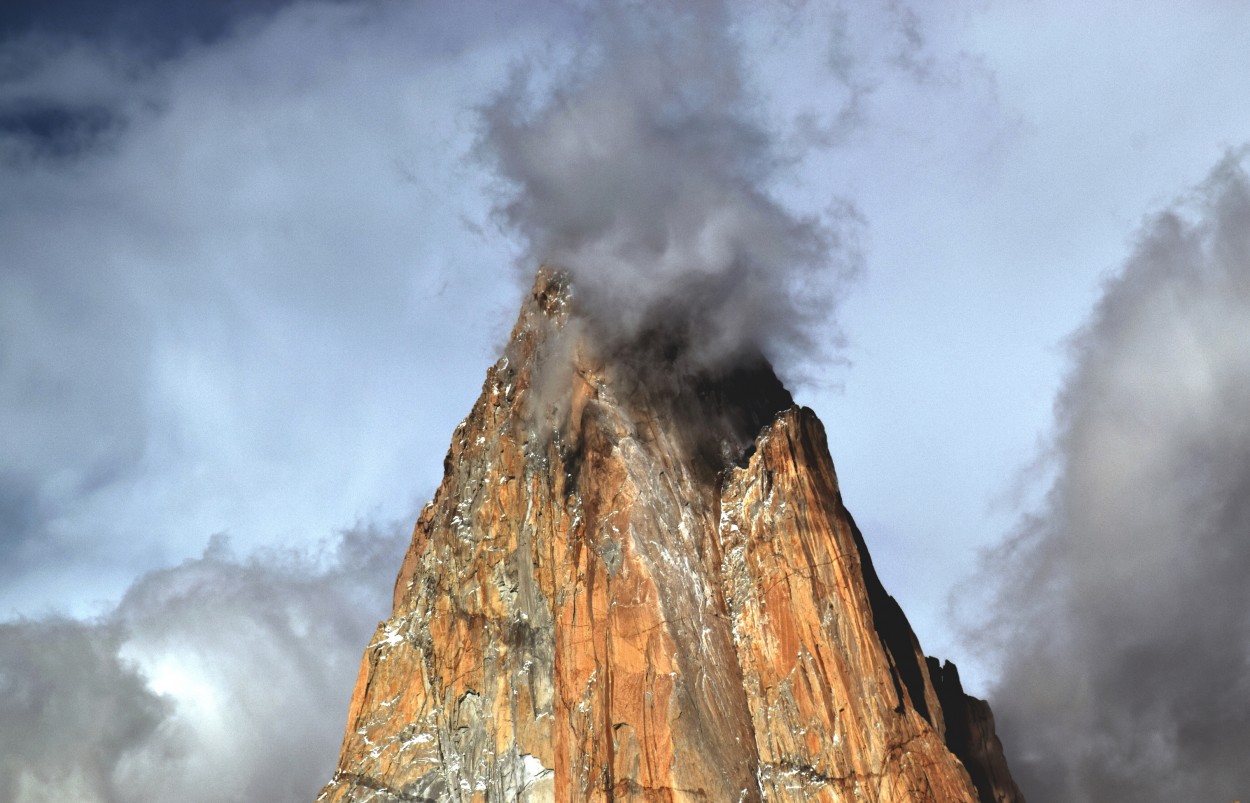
pixel 637 580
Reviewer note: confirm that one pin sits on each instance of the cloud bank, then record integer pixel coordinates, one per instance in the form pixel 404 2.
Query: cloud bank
pixel 221 679
pixel 1124 608
pixel 227 276
pixel 641 164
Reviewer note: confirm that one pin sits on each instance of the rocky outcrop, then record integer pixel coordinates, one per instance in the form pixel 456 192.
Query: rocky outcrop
pixel 637 581
pixel 970 735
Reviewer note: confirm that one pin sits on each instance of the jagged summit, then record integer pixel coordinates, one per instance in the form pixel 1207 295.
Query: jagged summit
pixel 638 580
pixel 713 407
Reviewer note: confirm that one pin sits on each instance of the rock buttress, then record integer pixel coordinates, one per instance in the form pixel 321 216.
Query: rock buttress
pixel 640 585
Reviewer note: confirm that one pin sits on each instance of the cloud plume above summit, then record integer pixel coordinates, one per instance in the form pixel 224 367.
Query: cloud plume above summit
pixel 643 167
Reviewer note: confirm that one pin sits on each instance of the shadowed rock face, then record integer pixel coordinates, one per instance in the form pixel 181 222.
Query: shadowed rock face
pixel 638 584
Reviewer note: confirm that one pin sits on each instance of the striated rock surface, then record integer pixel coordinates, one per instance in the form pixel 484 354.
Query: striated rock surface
pixel 640 583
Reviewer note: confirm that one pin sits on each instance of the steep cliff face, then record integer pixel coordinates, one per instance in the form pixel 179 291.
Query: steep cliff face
pixel 638 584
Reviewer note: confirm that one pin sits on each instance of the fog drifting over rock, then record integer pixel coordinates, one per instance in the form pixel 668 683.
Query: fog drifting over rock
pixel 643 167
pixel 1124 610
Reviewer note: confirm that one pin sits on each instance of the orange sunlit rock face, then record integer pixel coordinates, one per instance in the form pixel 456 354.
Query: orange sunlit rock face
pixel 638 582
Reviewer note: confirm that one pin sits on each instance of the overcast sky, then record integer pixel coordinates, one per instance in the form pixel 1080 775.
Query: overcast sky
pixel 256 256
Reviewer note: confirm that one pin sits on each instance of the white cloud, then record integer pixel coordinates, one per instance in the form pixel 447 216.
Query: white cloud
pixel 220 679
pixel 223 312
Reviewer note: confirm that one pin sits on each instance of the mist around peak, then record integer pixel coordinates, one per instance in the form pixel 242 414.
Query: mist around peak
pixel 571 370
pixel 644 169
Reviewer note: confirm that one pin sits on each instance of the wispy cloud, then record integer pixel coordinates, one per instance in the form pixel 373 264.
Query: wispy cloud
pixel 642 164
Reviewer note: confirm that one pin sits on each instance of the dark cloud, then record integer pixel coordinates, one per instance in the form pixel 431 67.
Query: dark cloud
pixel 641 163
pixel 221 679
pixel 1124 612
pixel 128 38
pixel 57 131
pixel 162 27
